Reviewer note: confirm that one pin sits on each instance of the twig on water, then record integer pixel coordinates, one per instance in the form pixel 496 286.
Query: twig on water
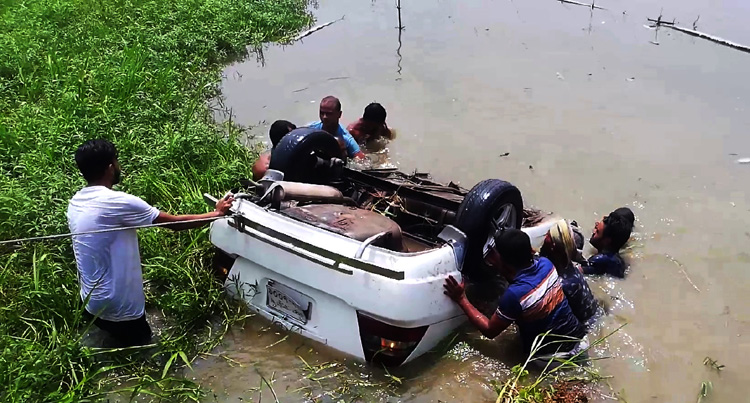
pixel 398 7
pixel 658 22
pixel 689 280
pixel 706 387
pixel 230 361
pixel 273 392
pixel 400 30
pixel 692 32
pixel 591 6
pixel 708 361
pixel 316 29
pixel 682 270
pixel 277 342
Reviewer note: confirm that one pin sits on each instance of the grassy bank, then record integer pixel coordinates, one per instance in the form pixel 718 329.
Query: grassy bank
pixel 139 73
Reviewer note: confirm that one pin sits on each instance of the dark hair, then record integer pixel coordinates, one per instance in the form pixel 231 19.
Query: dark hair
pixel 625 213
pixel 331 98
pixel 279 129
pixel 93 157
pixel 374 113
pixel 514 247
pixel 617 228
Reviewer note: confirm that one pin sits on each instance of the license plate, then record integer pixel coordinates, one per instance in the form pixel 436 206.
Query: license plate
pixel 288 302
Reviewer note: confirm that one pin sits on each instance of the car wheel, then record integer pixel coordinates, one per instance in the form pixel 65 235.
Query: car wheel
pixel 297 155
pixel 489 205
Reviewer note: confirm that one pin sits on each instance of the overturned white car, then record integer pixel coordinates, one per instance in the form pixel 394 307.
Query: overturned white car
pixel 356 260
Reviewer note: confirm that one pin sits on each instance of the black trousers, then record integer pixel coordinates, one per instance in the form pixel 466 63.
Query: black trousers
pixel 135 332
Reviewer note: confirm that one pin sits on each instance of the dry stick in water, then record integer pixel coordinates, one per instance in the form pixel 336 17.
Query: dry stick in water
pixel 693 32
pixel 315 29
pixel 684 273
pixel 591 6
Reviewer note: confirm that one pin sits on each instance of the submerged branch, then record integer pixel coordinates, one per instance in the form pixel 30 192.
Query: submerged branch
pixel 316 29
pixel 591 6
pixel 721 41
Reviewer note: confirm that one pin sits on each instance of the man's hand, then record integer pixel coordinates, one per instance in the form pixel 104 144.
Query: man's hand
pixel 223 205
pixel 454 290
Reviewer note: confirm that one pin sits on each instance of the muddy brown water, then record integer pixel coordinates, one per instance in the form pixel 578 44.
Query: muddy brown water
pixel 593 116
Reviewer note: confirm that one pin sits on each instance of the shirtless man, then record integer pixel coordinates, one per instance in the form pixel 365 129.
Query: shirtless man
pixel 278 130
pixel 371 126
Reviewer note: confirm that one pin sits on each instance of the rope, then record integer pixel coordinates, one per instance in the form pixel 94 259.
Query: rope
pixel 101 231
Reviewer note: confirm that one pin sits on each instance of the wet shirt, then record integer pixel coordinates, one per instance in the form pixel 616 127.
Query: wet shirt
pixel 535 301
pixel 579 295
pixel 109 264
pixel 352 147
pixel 605 263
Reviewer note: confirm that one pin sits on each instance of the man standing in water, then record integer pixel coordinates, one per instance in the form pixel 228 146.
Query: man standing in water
pixel 371 126
pixel 109 264
pixel 534 299
pixel 330 114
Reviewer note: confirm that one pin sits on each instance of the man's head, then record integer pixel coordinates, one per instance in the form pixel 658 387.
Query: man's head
pixel 374 113
pixel 611 233
pixel 97 161
pixel 374 117
pixel 625 213
pixel 510 251
pixel 279 129
pixel 330 113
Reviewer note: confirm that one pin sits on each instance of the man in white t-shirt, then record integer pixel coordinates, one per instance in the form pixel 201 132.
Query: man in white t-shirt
pixel 109 264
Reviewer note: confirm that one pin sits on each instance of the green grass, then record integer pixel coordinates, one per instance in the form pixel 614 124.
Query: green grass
pixel 138 72
pixel 557 375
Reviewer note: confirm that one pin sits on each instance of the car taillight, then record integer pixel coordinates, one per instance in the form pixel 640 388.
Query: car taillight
pixel 222 263
pixel 387 344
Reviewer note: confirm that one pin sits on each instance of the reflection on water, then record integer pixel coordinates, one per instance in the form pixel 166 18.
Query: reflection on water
pixel 487 89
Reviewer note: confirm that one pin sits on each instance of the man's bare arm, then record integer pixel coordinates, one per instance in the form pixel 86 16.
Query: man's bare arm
pixel 222 208
pixel 490 328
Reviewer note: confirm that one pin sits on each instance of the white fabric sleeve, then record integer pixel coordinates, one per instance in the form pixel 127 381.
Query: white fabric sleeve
pixel 135 211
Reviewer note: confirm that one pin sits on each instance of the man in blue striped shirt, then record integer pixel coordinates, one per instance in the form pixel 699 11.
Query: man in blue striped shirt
pixel 534 299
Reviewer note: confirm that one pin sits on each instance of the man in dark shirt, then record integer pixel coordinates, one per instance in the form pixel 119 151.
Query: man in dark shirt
pixel 609 236
pixel 560 248
pixel 534 299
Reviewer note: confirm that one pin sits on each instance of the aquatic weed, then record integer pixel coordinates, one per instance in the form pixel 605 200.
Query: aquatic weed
pixel 556 373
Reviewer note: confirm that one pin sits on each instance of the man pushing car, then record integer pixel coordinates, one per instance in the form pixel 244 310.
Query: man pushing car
pixel 534 299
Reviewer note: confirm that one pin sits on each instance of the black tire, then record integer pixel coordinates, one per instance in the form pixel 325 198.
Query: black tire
pixel 296 153
pixel 475 216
